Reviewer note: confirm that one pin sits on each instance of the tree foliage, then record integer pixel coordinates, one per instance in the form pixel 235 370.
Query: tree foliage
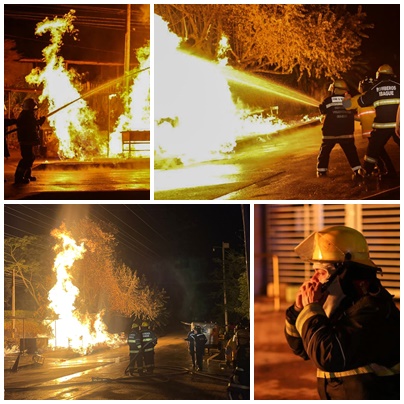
pixel 314 40
pixel 31 260
pixel 14 71
pixel 237 300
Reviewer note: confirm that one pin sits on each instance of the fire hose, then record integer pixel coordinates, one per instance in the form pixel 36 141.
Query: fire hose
pixel 90 93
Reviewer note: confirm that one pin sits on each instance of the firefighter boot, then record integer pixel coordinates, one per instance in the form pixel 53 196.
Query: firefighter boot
pixel 358 177
pixel 19 176
pixel 28 176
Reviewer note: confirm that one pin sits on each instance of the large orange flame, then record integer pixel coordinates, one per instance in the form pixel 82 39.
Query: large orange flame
pixel 73 329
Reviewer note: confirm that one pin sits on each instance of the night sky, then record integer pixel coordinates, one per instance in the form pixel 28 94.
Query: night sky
pixel 151 236
pixel 101 30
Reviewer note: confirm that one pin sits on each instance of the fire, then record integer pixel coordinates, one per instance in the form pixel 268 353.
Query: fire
pixel 75 330
pixel 137 104
pixel 75 125
pixel 196 117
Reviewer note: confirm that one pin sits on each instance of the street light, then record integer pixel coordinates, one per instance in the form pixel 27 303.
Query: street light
pixel 223 247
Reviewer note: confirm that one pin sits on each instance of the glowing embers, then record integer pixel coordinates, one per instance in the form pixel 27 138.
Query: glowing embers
pixel 73 329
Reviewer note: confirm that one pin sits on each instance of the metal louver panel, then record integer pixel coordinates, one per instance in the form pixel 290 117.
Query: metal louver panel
pixel 287 225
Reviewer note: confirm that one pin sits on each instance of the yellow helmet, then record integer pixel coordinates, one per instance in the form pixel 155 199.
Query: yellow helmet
pixel 384 69
pixel 145 324
pixel 135 325
pixel 338 87
pixel 335 244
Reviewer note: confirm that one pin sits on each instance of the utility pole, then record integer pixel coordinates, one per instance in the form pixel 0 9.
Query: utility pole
pixel 226 323
pixel 127 48
pixel 13 305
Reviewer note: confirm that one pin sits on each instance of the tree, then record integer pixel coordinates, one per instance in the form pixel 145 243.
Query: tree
pixel 313 40
pixel 107 284
pixel 30 259
pixel 14 71
pixel 237 303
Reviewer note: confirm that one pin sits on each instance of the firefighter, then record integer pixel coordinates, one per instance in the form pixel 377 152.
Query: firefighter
pixel 239 384
pixel 28 137
pixel 148 342
pixel 385 97
pixel 191 346
pixel 344 320
pixel 338 128
pixel 200 341
pixel 134 350
pixel 366 116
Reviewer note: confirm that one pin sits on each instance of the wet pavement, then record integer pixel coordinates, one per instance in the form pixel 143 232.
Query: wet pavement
pixel 278 373
pixel 276 167
pixel 101 375
pixel 101 179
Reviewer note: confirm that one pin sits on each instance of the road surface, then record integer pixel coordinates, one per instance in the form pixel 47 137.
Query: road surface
pixel 101 376
pixel 103 179
pixel 275 167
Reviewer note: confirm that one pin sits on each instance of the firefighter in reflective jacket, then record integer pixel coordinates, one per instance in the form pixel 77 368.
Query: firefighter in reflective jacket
pixel 196 345
pixel 148 342
pixel 338 128
pixel 134 350
pixel 344 320
pixel 385 98
pixel 366 116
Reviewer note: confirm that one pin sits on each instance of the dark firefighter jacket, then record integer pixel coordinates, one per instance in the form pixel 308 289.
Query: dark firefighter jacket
pixel 385 98
pixel 28 127
pixel 356 350
pixel 134 341
pixel 196 341
pixel 149 340
pixel 338 122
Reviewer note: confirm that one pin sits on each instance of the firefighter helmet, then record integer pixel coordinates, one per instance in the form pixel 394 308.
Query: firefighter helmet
pixel 384 69
pixel 198 329
pixel 335 244
pixel 365 85
pixel 145 324
pixel 135 325
pixel 29 104
pixel 338 87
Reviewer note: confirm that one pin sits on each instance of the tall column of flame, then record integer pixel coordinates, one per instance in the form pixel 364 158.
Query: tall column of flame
pixel 137 104
pixel 73 329
pixel 74 125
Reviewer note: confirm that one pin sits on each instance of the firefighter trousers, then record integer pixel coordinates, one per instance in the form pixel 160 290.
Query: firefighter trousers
pixel 25 164
pixel 376 150
pixel 348 147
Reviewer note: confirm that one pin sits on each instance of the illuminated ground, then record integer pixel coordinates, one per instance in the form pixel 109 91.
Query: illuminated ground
pixel 101 180
pixel 281 167
pixel 64 378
